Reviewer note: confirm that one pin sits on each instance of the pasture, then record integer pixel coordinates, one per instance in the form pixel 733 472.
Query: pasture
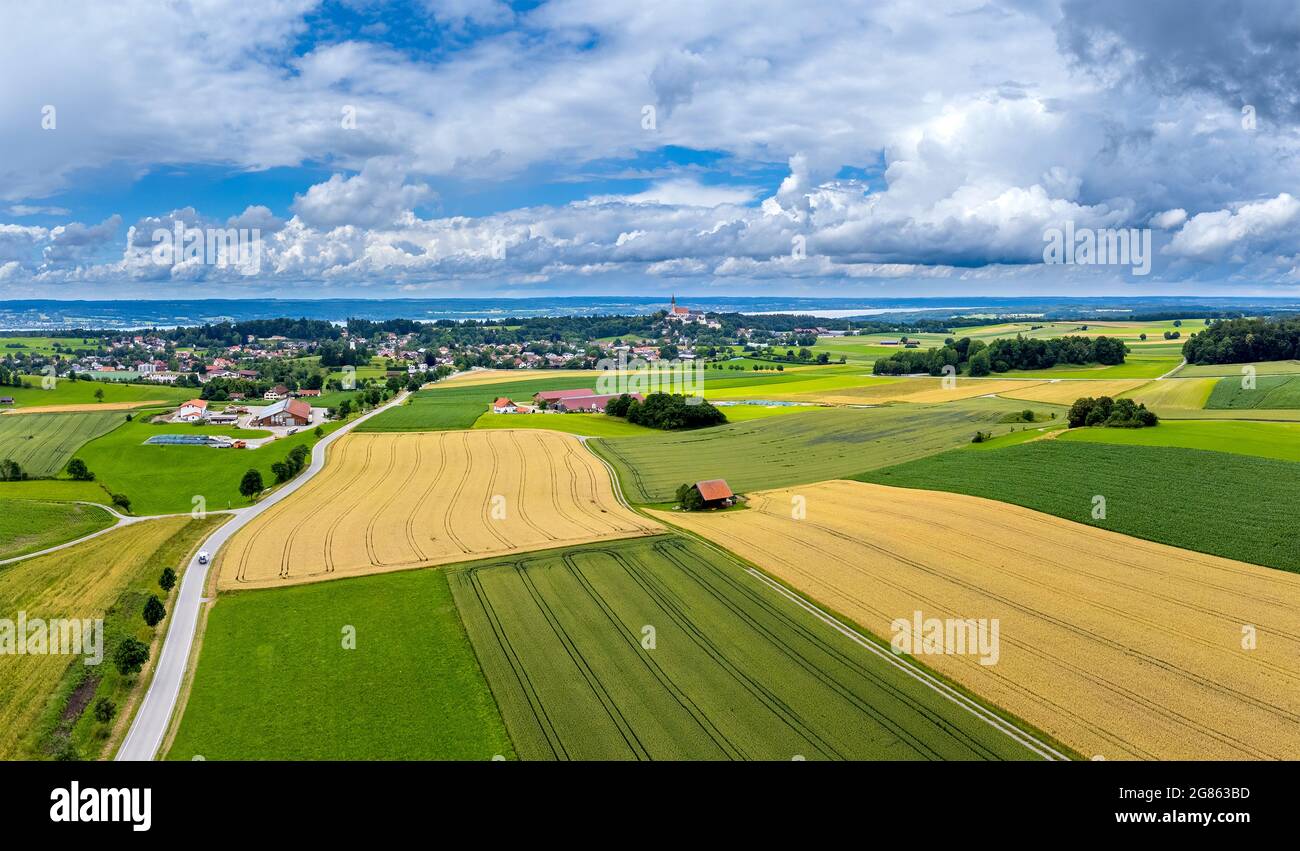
pixel 661 648
pixel 590 425
pixel 69 395
pixel 457 405
pixel 1234 506
pixel 1270 392
pixel 393 501
pixel 43 443
pixel 797 448
pixel 99 578
pixel 28 526
pixel 162 479
pixel 274 680
pixel 1118 647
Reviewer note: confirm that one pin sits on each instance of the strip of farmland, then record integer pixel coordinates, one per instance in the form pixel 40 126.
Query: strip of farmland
pixel 796 448
pixel 43 443
pixel 394 501
pixel 664 649
pixel 1118 647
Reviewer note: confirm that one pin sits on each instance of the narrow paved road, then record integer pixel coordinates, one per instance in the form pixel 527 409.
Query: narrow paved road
pixel 150 724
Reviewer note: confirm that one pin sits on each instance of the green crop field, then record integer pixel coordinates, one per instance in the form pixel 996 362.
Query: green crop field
pixel 67 392
pixel 457 406
pixel 592 425
pixel 1271 392
pixel 27 526
pixel 275 682
pixel 1261 439
pixel 1273 367
pixel 728 669
pixel 165 479
pixel 55 490
pixel 809 447
pixel 1234 506
pixel 43 443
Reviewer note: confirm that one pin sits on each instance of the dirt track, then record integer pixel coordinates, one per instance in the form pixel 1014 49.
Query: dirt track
pixel 394 501
pixel 1116 646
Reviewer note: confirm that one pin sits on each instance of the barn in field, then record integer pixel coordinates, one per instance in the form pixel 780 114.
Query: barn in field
pixel 716 493
pixel 286 412
pixel 549 398
pixel 591 404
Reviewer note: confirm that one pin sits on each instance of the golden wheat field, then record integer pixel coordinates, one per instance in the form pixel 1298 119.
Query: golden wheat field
pixel 393 501
pixel 1064 392
pixel 1118 647
pixel 78 582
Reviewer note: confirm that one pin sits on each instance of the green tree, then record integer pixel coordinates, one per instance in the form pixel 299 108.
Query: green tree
pixel 130 656
pixel 688 498
pixel 104 710
pixel 154 610
pixel 123 502
pixel 99 394
pixel 77 469
pixel 167 581
pixel 251 484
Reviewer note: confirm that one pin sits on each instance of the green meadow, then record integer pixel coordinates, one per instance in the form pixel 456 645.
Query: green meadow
pixel 1261 439
pixel 43 443
pixel 28 526
pixel 67 392
pixel 275 680
pixel 1236 506
pixel 1270 392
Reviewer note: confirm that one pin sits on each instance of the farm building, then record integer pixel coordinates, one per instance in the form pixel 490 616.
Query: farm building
pixel 279 391
pixel 716 493
pixel 6 400
pixel 504 406
pixel 548 397
pixel 302 394
pixel 194 409
pixel 286 412
pixel 595 403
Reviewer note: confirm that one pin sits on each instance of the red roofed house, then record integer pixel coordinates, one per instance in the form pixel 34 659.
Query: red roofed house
pixel 591 404
pixel 194 409
pixel 504 406
pixel 716 493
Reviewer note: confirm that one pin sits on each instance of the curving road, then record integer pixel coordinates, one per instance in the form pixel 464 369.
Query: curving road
pixel 150 723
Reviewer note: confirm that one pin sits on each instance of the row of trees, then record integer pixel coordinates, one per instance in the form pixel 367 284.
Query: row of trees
pixel 1244 341
pixel 980 358
pixel 667 411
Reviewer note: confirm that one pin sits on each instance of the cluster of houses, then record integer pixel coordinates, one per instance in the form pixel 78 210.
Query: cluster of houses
pixel 583 400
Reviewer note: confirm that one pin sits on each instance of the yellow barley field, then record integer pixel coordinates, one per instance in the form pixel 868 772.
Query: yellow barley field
pixel 919 390
pixel 393 501
pixel 1116 646
pixel 84 407
pixel 1175 394
pixel 1064 392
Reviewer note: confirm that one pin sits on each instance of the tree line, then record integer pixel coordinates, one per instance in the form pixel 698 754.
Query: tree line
pixel 1004 354
pixel 1245 341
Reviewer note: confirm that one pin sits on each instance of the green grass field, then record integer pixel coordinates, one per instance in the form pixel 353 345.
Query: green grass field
pixel 734 671
pixel 1261 439
pixel 592 425
pixel 1271 392
pixel 55 490
pixel 43 443
pixel 45 345
pixel 275 682
pixel 1234 506
pixel 83 393
pixel 788 450
pixel 165 479
pixel 1274 367
pixel 27 526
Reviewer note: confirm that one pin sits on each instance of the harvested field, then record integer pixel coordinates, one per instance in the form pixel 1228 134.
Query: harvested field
pixel 43 443
pixel 1116 646
pixel 393 501
pixel 733 670
pixel 1066 391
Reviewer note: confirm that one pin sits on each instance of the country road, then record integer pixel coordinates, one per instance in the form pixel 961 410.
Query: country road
pixel 150 723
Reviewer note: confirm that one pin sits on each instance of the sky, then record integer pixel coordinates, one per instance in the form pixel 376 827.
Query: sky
pixel 442 148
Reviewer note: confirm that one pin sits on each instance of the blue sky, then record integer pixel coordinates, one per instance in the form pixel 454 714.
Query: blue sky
pixel 472 147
